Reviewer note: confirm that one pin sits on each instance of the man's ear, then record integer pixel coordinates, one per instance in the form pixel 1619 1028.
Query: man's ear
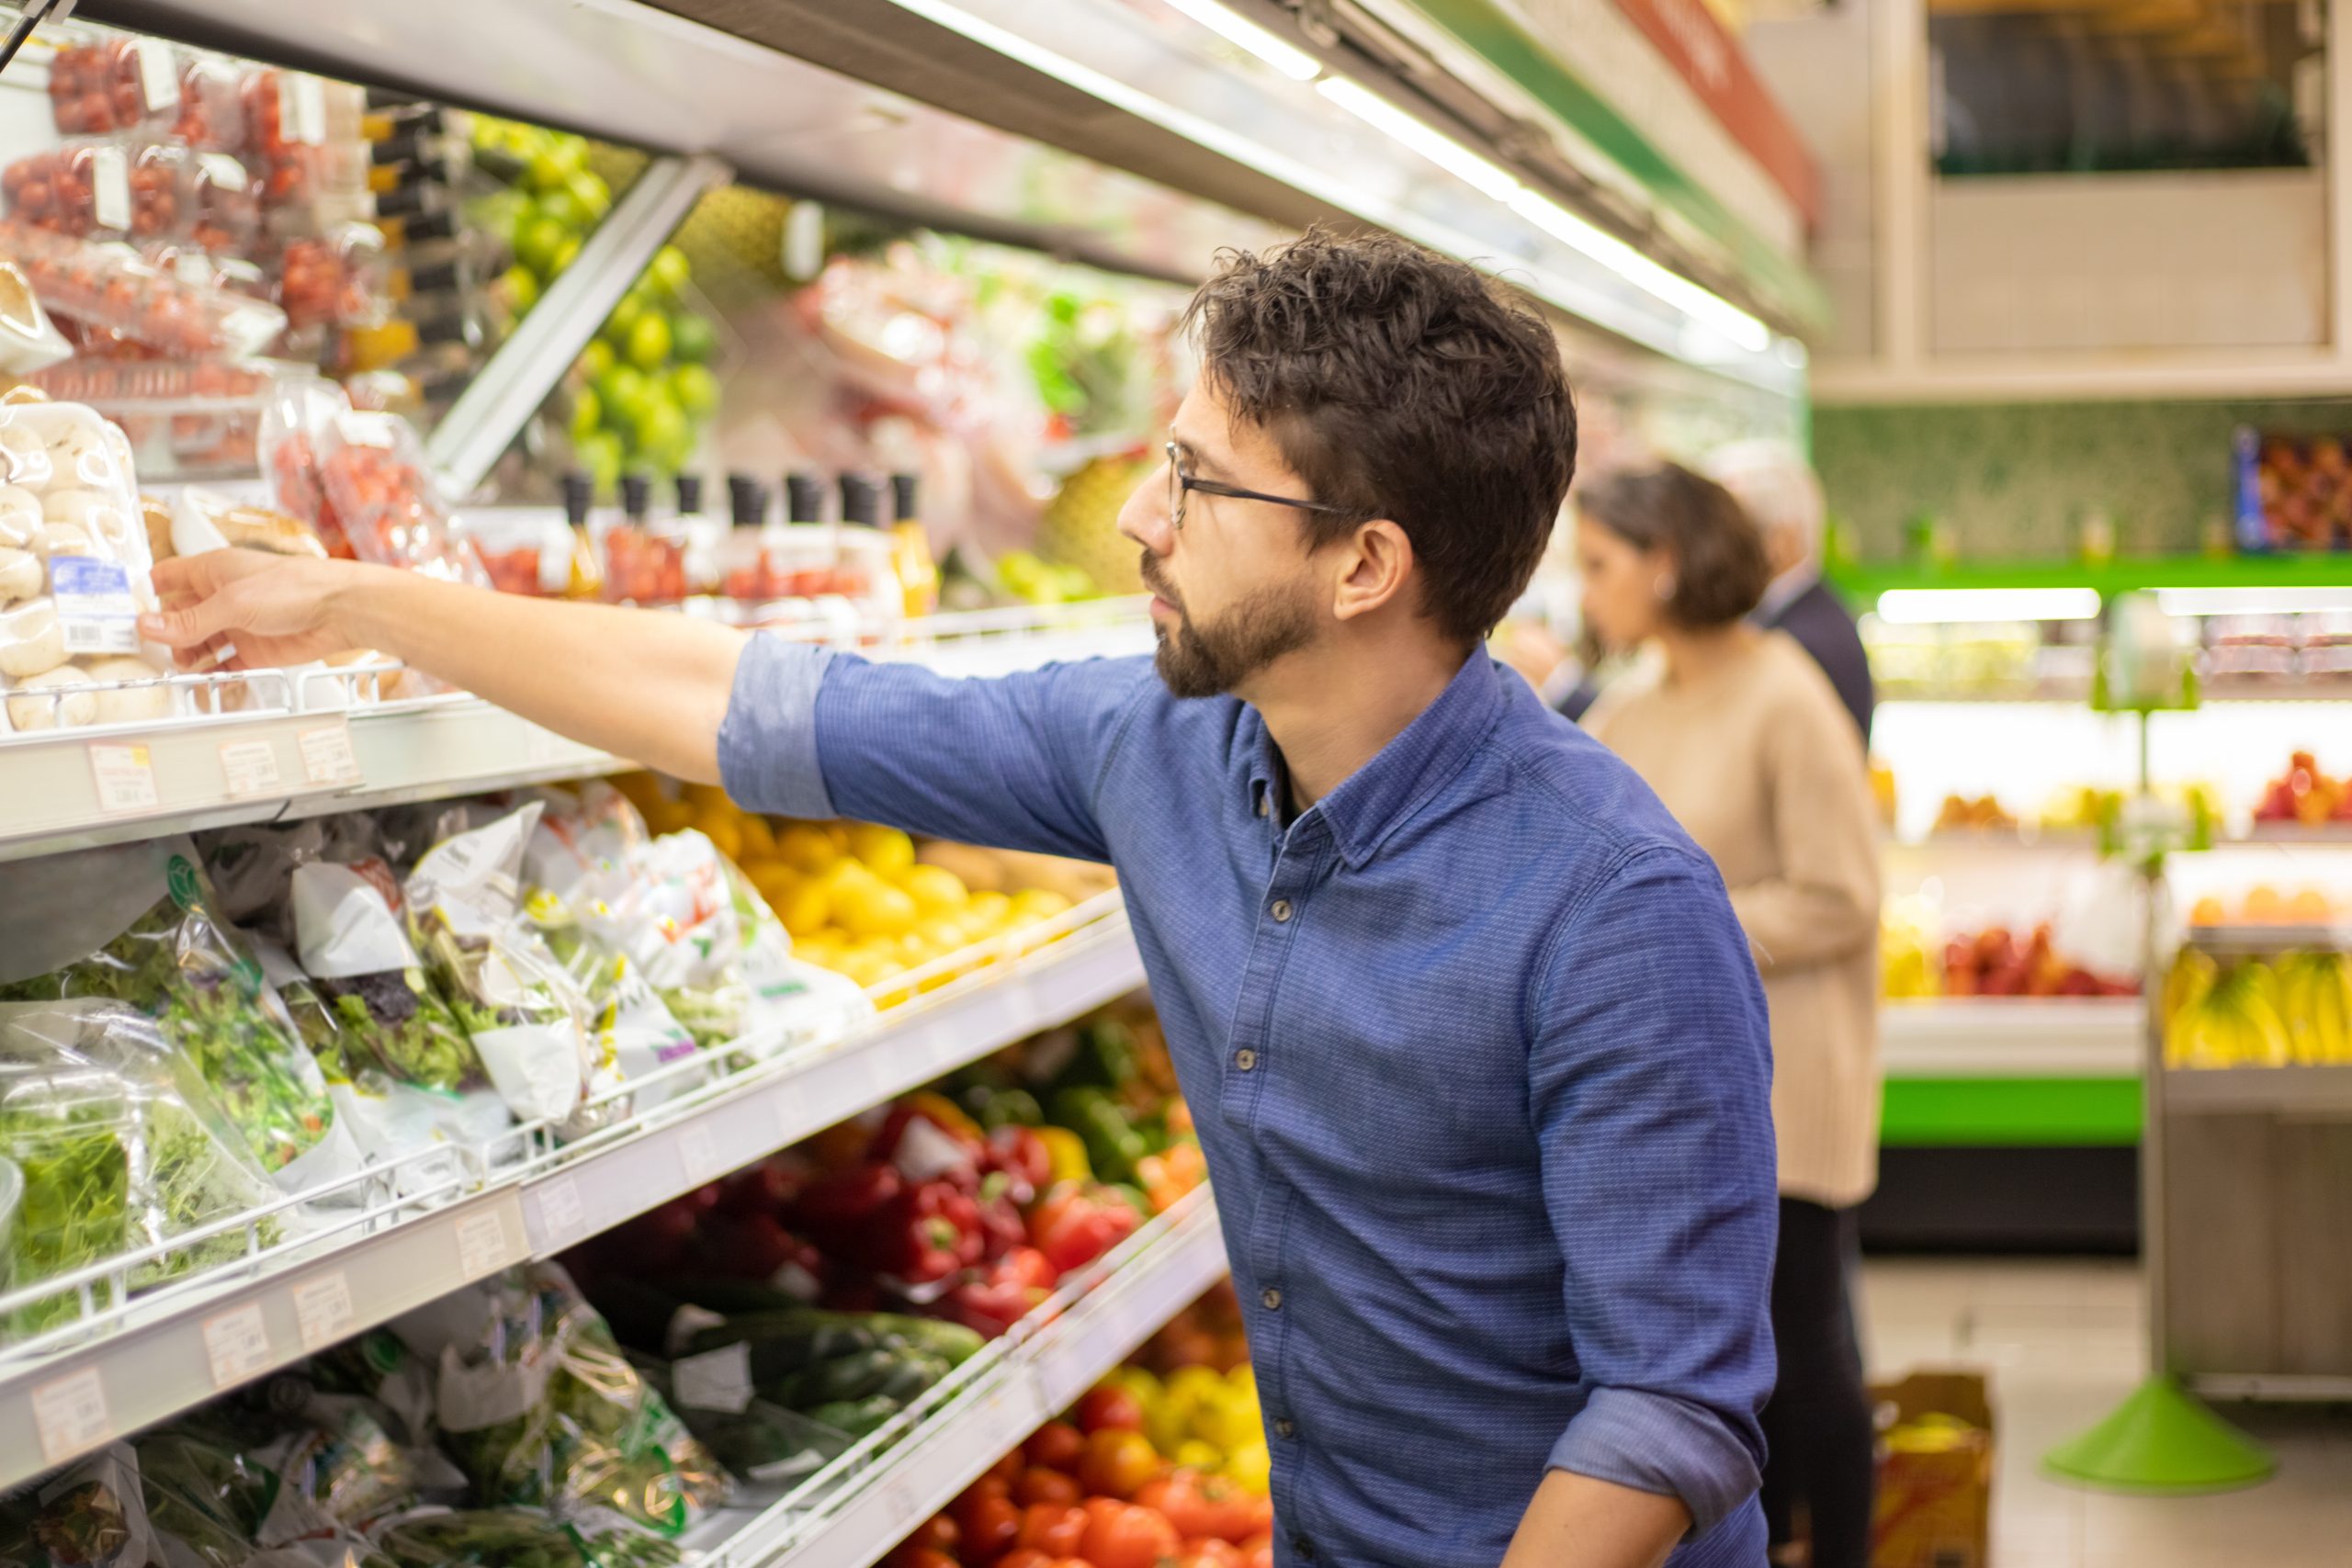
pixel 1374 563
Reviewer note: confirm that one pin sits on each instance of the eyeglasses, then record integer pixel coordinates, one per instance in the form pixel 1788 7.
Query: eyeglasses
pixel 1180 483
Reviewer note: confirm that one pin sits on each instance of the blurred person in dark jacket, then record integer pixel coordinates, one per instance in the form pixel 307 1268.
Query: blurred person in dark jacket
pixel 1776 487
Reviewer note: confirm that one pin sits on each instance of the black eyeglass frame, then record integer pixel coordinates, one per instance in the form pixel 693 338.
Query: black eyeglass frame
pixel 1180 484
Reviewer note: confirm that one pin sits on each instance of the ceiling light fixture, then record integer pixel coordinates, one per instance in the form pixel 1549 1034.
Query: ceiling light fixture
pixel 1235 28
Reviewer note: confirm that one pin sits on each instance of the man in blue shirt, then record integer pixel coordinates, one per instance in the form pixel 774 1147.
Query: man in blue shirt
pixel 1472 1040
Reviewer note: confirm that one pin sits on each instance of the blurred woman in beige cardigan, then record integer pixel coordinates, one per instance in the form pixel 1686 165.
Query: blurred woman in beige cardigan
pixel 1745 741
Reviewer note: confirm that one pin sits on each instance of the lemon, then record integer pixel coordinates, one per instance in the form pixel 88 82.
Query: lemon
pixel 641 789
pixel 935 889
pixel 1195 1454
pixel 806 847
pixel 886 851
pixel 1249 1468
pixel 759 838
pixel 943 933
pixel 725 834
pixel 873 909
pixel 1038 904
pixel 988 910
pixel 669 817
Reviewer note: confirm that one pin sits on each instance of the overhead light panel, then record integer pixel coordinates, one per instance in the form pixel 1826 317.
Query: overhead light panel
pixel 1369 106
pixel 1937 606
pixel 2250 601
pixel 1235 28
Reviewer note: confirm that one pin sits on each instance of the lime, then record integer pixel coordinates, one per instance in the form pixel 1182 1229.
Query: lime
pixel 537 240
pixel 668 271
pixel 596 358
pixel 521 285
pixel 554 160
pixel 599 456
pixel 696 388
pixel 692 338
pixel 622 323
pixel 660 422
pixel 587 412
pixel 564 208
pixel 588 189
pixel 649 341
pixel 622 391
pixel 565 254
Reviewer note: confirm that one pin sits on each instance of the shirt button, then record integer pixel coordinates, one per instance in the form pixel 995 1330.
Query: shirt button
pixel 1285 1427
pixel 1304 1547
pixel 1245 1059
pixel 1281 911
pixel 1266 805
pixel 1270 1299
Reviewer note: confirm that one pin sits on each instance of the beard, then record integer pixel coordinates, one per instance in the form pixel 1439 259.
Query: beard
pixel 1210 660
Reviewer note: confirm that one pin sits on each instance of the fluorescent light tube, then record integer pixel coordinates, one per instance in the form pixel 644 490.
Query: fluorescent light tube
pixel 1437 147
pixel 1639 270
pixel 1236 29
pixel 1933 606
pixel 2250 601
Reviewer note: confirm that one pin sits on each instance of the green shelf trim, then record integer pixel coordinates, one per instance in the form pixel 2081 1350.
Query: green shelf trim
pixel 2011 1113
pixel 1490 31
pixel 1864 582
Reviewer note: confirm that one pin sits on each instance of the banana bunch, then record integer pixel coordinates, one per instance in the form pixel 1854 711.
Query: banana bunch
pixel 2257 1013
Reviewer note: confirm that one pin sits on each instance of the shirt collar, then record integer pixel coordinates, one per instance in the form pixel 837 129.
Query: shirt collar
pixel 1783 592
pixel 1376 799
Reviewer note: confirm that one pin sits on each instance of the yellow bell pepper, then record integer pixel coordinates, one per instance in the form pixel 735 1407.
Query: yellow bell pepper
pixel 1066 1153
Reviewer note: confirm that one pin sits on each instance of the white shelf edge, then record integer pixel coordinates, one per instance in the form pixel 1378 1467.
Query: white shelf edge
pixel 153 1364
pixel 1990 1037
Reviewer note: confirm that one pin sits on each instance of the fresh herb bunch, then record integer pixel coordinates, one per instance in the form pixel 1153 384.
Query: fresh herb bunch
pixel 517 1538
pixel 76 1205
pixel 399 1019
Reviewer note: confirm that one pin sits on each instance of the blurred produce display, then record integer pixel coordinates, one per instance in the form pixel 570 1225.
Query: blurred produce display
pixel 2287 1009
pixel 2294 492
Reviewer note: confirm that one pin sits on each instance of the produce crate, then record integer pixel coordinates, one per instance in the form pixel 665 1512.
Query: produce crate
pixel 1935 1496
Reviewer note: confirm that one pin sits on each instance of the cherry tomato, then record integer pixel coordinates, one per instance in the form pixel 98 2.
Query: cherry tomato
pixel 1025 1557
pixel 1108 1406
pixel 1042 1485
pixel 1118 1463
pixel 1056 1445
pixel 1054 1528
pixel 1124 1536
pixel 990 1527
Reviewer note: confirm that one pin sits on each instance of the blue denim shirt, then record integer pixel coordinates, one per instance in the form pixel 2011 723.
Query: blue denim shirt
pixel 1474 1047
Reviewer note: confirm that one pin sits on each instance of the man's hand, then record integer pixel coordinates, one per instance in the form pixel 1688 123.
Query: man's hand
pixel 242 609
pixel 1577 1521
pixel 650 687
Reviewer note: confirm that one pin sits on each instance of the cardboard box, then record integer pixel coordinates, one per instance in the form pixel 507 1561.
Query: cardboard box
pixel 1935 1483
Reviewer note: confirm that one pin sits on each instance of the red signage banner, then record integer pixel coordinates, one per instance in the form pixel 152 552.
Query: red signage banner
pixel 1689 38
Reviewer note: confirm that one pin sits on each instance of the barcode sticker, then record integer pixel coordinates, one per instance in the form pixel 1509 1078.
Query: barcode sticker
pixel 111 188
pixel 562 1214
pixel 249 767
pixel 482 1244
pixel 237 1343
pixel 323 1307
pixel 70 1414
pixel 159 75
pixel 327 758
pixel 698 1154
pixel 95 612
pixel 126 779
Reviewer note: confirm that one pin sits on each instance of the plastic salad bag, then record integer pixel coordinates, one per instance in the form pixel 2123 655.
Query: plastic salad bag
pixel 137 923
pixel 74 574
pixel 518 1538
pixel 539 1406
pixel 89 1514
pixel 118 1147
pixel 524 1015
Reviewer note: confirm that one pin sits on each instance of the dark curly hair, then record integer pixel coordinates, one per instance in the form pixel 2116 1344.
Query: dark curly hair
pixel 1720 567
pixel 1399 383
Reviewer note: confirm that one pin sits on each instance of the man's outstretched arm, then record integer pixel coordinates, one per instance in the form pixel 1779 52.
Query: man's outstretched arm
pixel 650 687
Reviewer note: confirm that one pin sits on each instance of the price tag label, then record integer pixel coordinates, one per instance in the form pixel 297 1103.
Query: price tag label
pixel 249 767
pixel 562 1215
pixel 222 171
pixel 717 1379
pixel 302 108
pixel 326 756
pixel 237 1343
pixel 898 1505
pixel 125 777
pixel 482 1244
pixel 159 75
pixel 322 1307
pixel 111 188
pixel 70 1414
pixel 698 1154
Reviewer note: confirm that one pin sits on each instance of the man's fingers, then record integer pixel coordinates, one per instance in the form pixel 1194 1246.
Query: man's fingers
pixel 190 626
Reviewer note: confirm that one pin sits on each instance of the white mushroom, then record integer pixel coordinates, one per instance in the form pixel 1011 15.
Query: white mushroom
pixel 31 640
pixel 96 512
pixel 20 517
pixel 63 539
pixel 20 574
pixel 79 454
pixel 137 704
pixel 24 455
pixel 70 710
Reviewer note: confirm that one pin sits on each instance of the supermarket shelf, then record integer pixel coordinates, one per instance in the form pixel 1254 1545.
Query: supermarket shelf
pixel 852 1513
pixel 450 746
pixel 73 1389
pixel 2262 938
pixel 1864 584
pixel 1990 1037
pixel 2289 1091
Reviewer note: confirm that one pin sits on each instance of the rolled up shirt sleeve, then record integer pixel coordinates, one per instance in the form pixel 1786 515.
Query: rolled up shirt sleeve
pixel 1013 762
pixel 1650 1082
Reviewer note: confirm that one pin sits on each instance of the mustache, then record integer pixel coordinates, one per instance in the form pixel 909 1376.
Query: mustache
pixel 1148 568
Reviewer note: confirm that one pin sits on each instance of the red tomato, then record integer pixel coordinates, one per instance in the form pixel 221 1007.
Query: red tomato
pixel 1008 1469
pixel 1109 1407
pixel 990 1527
pixel 1258 1552
pixel 1124 1536
pixel 1042 1485
pixel 1203 1505
pixel 1026 1557
pixel 1054 1528
pixel 1209 1553
pixel 1056 1445
pixel 919 1557
pixel 1118 1463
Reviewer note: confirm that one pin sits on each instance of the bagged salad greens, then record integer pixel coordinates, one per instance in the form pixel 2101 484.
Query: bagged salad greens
pixel 118 1146
pixel 519 1538
pixel 540 1408
pixel 138 924
pixel 89 1514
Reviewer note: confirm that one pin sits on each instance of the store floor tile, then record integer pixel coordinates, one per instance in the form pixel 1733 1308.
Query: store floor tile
pixel 2064 1341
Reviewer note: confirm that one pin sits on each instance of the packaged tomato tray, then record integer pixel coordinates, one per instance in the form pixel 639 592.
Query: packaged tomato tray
pixel 373 471
pixel 107 84
pixel 73 566
pixel 109 288
pixel 112 188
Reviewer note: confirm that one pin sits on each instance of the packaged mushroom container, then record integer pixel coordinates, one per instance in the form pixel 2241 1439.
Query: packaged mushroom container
pixel 74 574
